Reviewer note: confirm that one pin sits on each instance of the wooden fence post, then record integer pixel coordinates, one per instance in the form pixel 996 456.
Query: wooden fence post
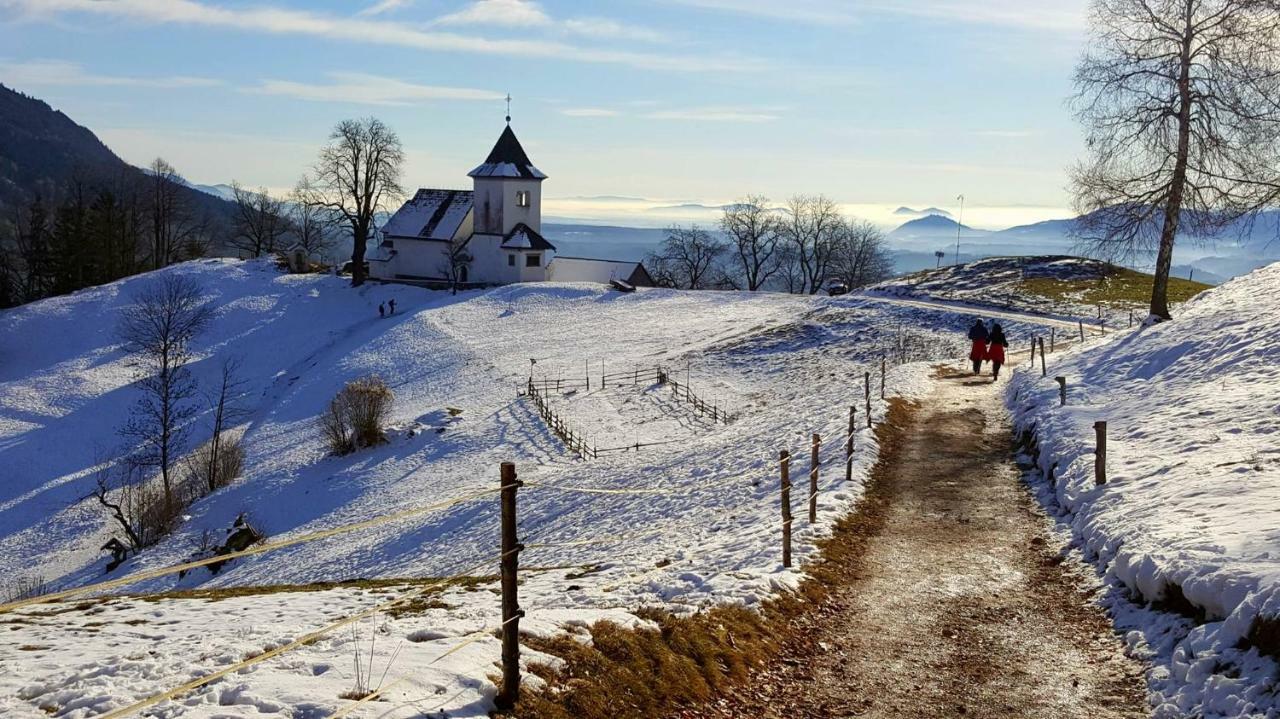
pixel 866 381
pixel 1100 454
pixel 1102 327
pixel 1062 391
pixel 882 373
pixel 509 692
pixel 813 479
pixel 786 508
pixel 1053 333
pixel 1044 371
pixel 1033 351
pixel 848 447
pixel 1081 330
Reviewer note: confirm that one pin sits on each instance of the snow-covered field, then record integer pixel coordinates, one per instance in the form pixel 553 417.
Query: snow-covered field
pixel 1192 505
pixel 702 528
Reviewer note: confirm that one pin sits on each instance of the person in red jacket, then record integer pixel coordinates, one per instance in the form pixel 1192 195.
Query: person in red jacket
pixel 978 333
pixel 995 352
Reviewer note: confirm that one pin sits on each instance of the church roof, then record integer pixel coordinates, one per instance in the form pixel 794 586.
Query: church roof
pixel 507 159
pixel 524 237
pixel 430 215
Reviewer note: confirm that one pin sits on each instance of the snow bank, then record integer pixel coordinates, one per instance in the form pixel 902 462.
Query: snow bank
pixel 704 531
pixel 1190 509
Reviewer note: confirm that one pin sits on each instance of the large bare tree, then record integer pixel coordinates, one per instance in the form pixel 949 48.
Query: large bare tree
pixel 311 226
pixel 259 223
pixel 687 258
pixel 357 174
pixel 861 256
pixel 810 225
pixel 177 227
pixel 1180 100
pixel 753 232
pixel 159 325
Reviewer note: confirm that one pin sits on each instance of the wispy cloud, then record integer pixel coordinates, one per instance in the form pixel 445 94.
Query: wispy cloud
pixel 526 13
pixel 512 13
pixel 385 6
pixel 364 89
pixel 691 114
pixel 365 30
pixel 41 73
pixel 716 114
pixel 1034 14
pixel 589 112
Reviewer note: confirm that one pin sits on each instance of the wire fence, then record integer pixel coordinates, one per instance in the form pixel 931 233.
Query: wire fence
pixel 905 346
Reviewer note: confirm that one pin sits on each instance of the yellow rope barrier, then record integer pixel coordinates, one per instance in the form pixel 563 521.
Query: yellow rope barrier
pixel 259 549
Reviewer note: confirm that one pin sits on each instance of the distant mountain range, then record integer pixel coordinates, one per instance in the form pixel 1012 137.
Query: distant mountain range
pixel 42 150
pixel 908 212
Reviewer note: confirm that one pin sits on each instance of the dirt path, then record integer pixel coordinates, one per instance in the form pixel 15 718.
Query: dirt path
pixel 957 607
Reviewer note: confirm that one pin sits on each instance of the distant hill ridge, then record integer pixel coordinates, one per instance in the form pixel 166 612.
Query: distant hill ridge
pixel 42 150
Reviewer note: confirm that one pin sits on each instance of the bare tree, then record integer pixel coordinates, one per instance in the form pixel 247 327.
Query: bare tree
pixel 222 455
pixel 754 236
pixel 1178 101
pixel 310 225
pixel 259 222
pixel 687 258
pixel 176 226
pixel 810 224
pixel 159 325
pixel 357 174
pixel 457 256
pixel 860 256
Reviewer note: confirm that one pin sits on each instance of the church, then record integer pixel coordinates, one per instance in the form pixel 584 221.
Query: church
pixel 488 235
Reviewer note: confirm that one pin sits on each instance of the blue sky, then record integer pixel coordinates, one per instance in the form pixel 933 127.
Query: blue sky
pixel 876 104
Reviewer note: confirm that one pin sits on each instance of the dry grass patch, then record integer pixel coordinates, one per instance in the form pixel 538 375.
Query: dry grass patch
pixel 645 673
pixel 1120 287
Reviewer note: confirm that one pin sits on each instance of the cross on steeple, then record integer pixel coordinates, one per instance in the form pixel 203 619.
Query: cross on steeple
pixel 508 108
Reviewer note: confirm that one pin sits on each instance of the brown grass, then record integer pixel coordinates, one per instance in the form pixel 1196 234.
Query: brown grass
pixel 1121 288
pixel 644 673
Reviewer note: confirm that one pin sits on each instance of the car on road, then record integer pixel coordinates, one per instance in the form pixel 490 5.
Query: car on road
pixel 835 288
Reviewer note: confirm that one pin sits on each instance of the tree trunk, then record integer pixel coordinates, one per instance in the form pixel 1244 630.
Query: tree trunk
pixel 361 238
pixel 1177 185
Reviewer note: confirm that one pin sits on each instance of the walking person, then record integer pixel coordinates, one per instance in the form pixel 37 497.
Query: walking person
pixel 978 333
pixel 392 304
pixel 382 309
pixel 999 343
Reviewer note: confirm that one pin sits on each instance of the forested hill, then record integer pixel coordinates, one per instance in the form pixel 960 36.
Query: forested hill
pixel 42 150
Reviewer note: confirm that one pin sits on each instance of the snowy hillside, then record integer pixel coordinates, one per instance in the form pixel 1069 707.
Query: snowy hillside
pixel 1188 517
pixel 1053 285
pixel 698 513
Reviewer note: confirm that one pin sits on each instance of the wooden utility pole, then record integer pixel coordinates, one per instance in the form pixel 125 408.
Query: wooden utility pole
pixel 1100 454
pixel 785 461
pixel 813 480
pixel 509 692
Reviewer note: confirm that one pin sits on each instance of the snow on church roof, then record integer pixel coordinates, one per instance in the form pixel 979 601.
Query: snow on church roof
pixel 430 215
pixel 523 237
pixel 507 159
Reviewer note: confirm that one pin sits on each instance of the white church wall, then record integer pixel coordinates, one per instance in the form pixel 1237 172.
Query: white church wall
pixel 503 214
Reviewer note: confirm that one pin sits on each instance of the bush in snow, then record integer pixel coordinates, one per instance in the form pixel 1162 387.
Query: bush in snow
pixel 145 510
pixel 215 464
pixel 356 415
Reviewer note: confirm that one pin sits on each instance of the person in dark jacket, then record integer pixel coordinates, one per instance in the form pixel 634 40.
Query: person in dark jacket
pixel 996 352
pixel 978 333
